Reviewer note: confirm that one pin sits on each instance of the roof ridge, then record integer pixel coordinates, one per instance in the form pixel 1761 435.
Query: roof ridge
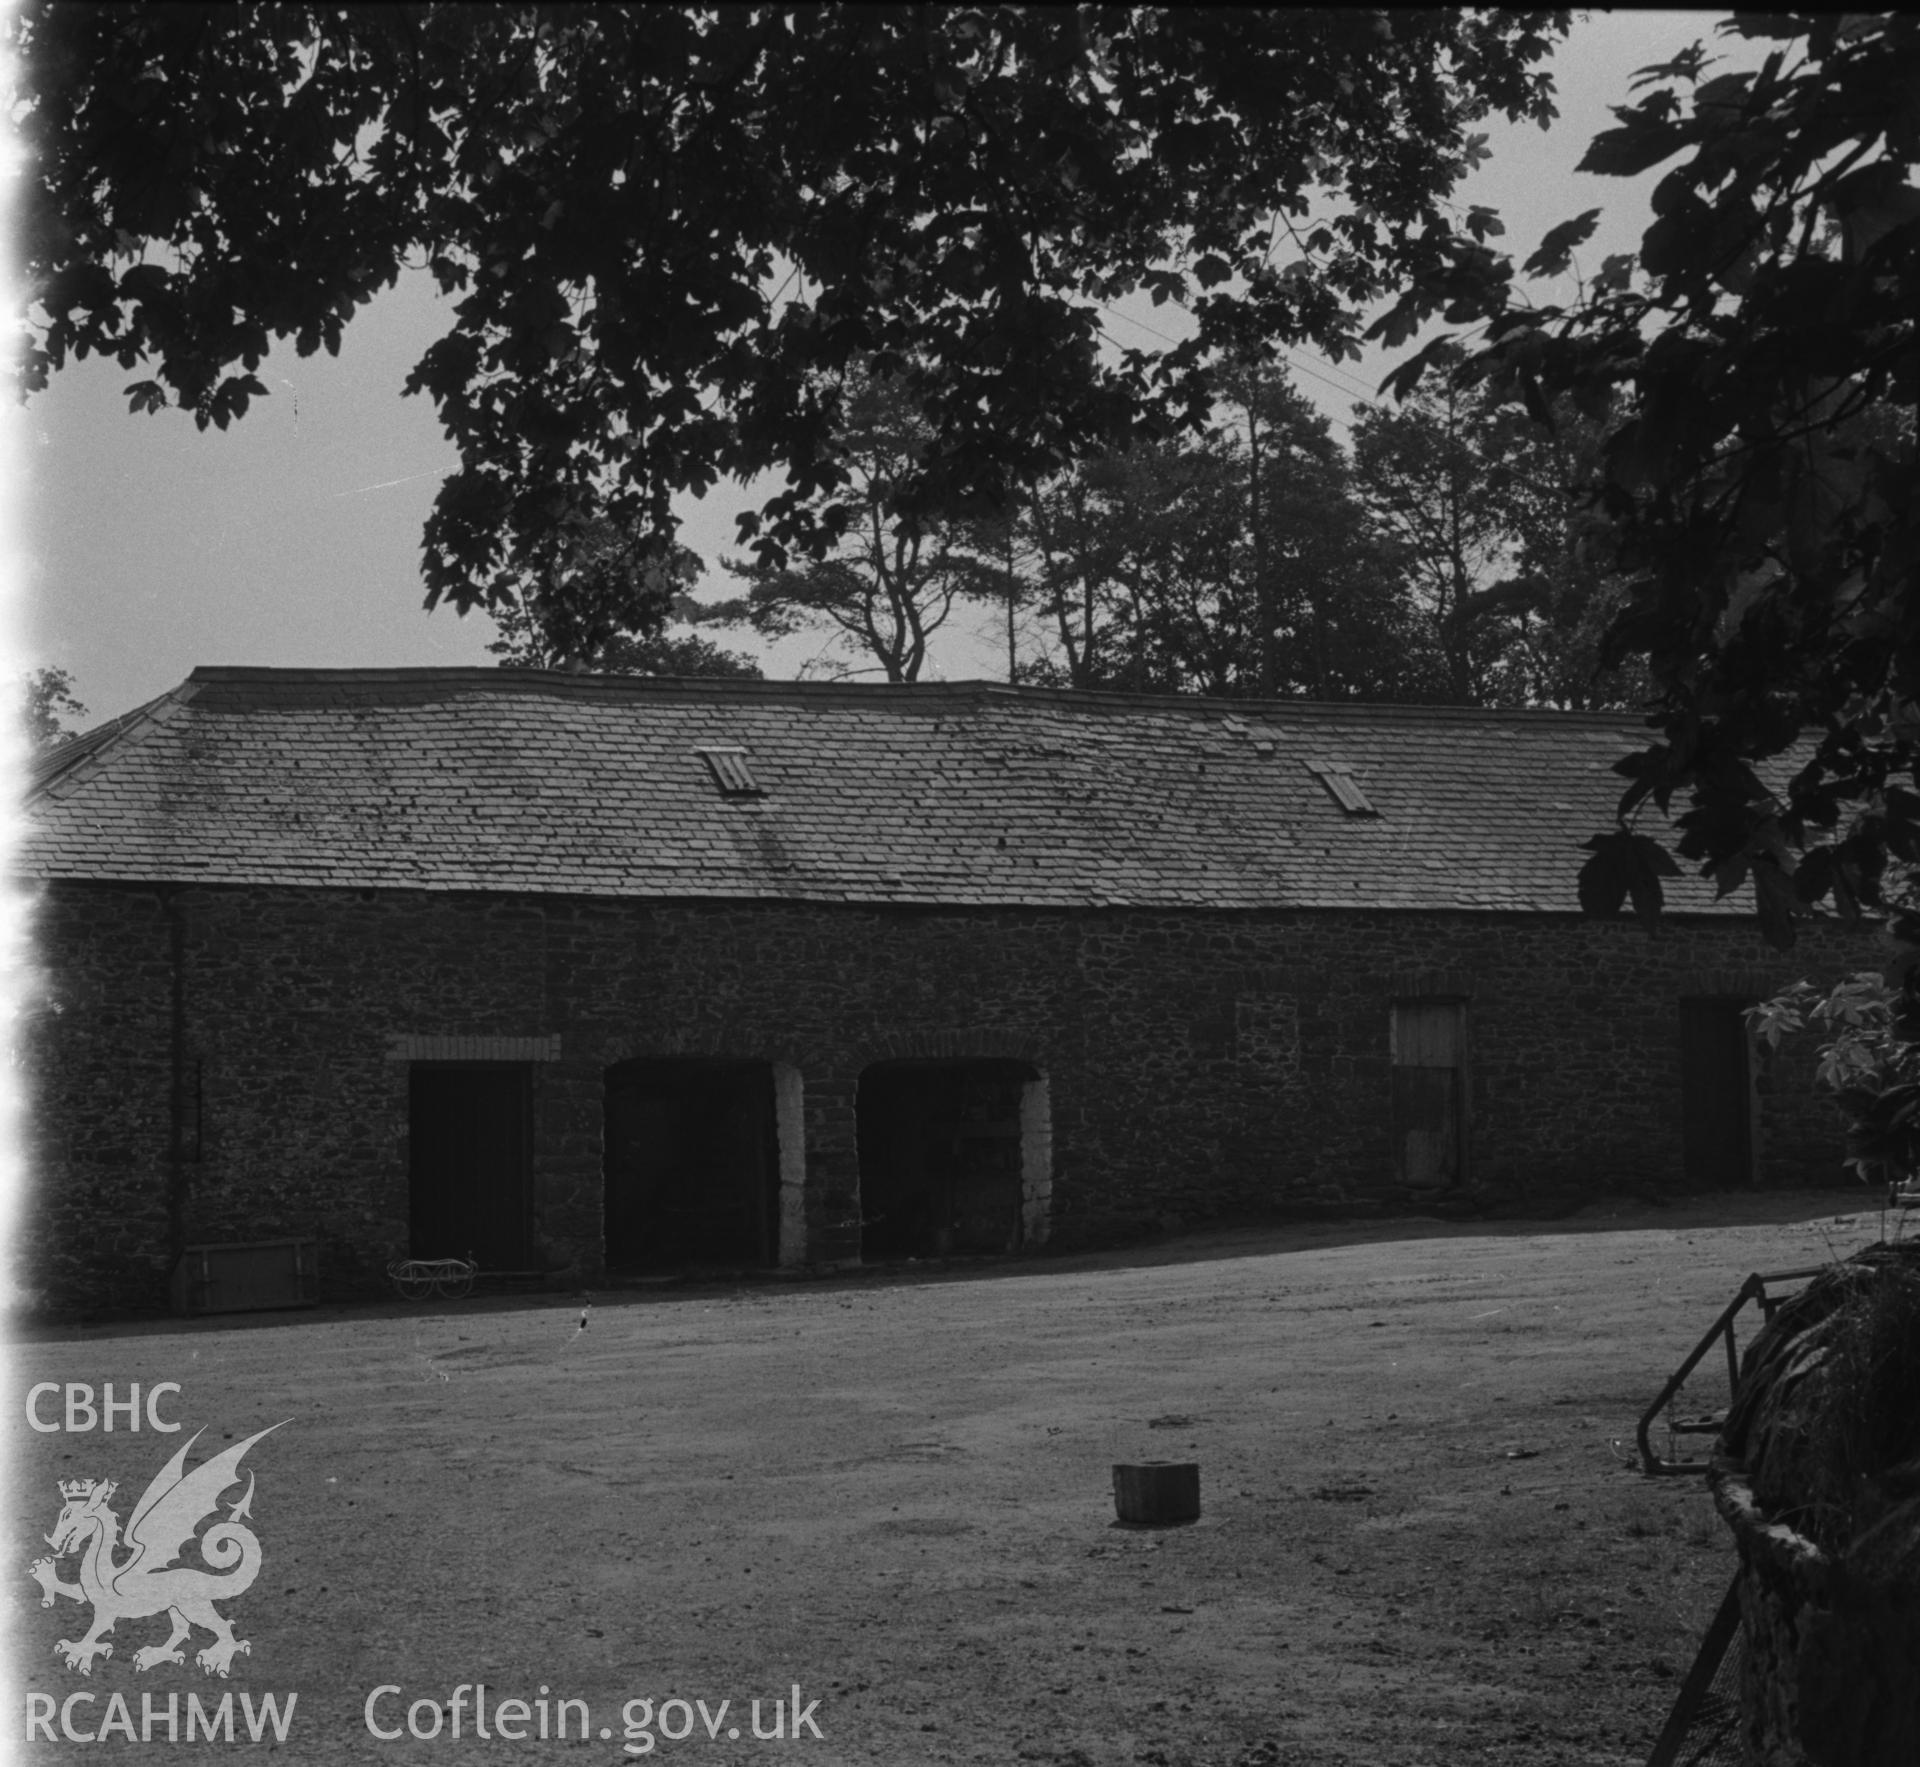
pixel 76 764
pixel 586 684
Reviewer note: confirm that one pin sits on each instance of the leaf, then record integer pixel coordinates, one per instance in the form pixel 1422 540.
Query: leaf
pixel 1400 383
pixel 1615 274
pixel 1730 874
pixel 1638 145
pixel 1767 24
pixel 1395 326
pixel 1165 286
pixel 140 282
pixel 1774 899
pixel 1556 248
pixel 1722 92
pixel 1625 866
pixel 1749 588
pixel 1817 872
pixel 1846 893
pixel 1536 402
pixel 1648 862
pixel 1629 460
pixel 1684 66
pixel 1871 203
pixel 1603 883
pixel 1680 243
pixel 1736 276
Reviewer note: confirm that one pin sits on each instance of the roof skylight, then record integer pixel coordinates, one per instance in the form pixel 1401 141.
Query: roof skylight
pixel 731 772
pixel 1342 787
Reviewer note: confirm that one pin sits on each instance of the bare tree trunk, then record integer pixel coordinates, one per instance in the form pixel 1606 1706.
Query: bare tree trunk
pixel 1012 656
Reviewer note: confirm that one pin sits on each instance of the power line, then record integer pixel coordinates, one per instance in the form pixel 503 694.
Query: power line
pixel 1356 386
pixel 1356 389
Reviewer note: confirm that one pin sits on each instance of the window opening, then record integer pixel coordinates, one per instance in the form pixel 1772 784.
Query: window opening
pixel 1428 1106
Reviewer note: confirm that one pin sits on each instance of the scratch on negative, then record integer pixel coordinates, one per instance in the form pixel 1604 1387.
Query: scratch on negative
pixel 387 484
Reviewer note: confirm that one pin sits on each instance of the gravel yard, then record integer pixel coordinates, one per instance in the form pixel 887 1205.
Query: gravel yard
pixel 891 1492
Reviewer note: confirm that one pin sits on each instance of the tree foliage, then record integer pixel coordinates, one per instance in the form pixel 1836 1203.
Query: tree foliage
pixel 1329 612
pixel 664 228
pixel 1483 513
pixel 1235 562
pixel 1436 477
pixel 1870 1062
pixel 1442 558
pixel 896 566
pixel 1562 557
pixel 48 702
pixel 1756 373
pixel 1138 584
pixel 601 606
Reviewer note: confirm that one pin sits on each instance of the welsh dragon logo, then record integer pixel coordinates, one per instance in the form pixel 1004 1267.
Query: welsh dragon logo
pixel 148 1581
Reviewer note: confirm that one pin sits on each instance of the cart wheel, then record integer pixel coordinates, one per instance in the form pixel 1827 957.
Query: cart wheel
pixel 412 1285
pixel 455 1285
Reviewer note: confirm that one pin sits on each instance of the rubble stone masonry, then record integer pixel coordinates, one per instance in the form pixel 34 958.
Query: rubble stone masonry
pixel 226 1063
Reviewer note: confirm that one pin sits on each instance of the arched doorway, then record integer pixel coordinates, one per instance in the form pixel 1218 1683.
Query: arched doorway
pixel 692 1164
pixel 946 1156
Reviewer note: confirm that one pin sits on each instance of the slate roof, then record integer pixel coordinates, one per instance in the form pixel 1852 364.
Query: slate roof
pixel 968 793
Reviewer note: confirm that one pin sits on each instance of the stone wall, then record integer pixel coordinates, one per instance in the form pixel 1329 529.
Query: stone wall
pixel 213 1063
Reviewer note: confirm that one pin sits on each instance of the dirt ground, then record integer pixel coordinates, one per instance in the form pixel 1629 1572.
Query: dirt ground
pixel 1422 1542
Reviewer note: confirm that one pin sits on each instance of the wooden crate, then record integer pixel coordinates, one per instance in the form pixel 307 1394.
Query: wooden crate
pixel 247 1277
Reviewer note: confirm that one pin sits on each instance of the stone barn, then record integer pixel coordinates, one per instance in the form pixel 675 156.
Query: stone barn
pixel 582 976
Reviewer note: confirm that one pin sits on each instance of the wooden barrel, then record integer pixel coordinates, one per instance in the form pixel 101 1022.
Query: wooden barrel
pixel 1157 1493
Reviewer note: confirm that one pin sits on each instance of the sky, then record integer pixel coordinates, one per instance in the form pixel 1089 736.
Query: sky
pixel 142 548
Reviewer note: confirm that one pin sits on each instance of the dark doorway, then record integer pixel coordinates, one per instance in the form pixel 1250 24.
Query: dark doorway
pixel 940 1157
pixel 470 1162
pixel 692 1164
pixel 1716 1095
pixel 1429 1093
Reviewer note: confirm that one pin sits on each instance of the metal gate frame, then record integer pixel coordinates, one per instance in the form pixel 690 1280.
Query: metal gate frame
pixel 1706 1704
pixel 1754 1289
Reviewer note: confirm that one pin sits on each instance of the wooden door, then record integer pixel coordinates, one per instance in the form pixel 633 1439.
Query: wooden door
pixel 470 1162
pixel 1429 1093
pixel 902 1200
pixel 940 1160
pixel 645 1136
pixel 1716 1095
pixel 691 1164
pixel 980 1140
